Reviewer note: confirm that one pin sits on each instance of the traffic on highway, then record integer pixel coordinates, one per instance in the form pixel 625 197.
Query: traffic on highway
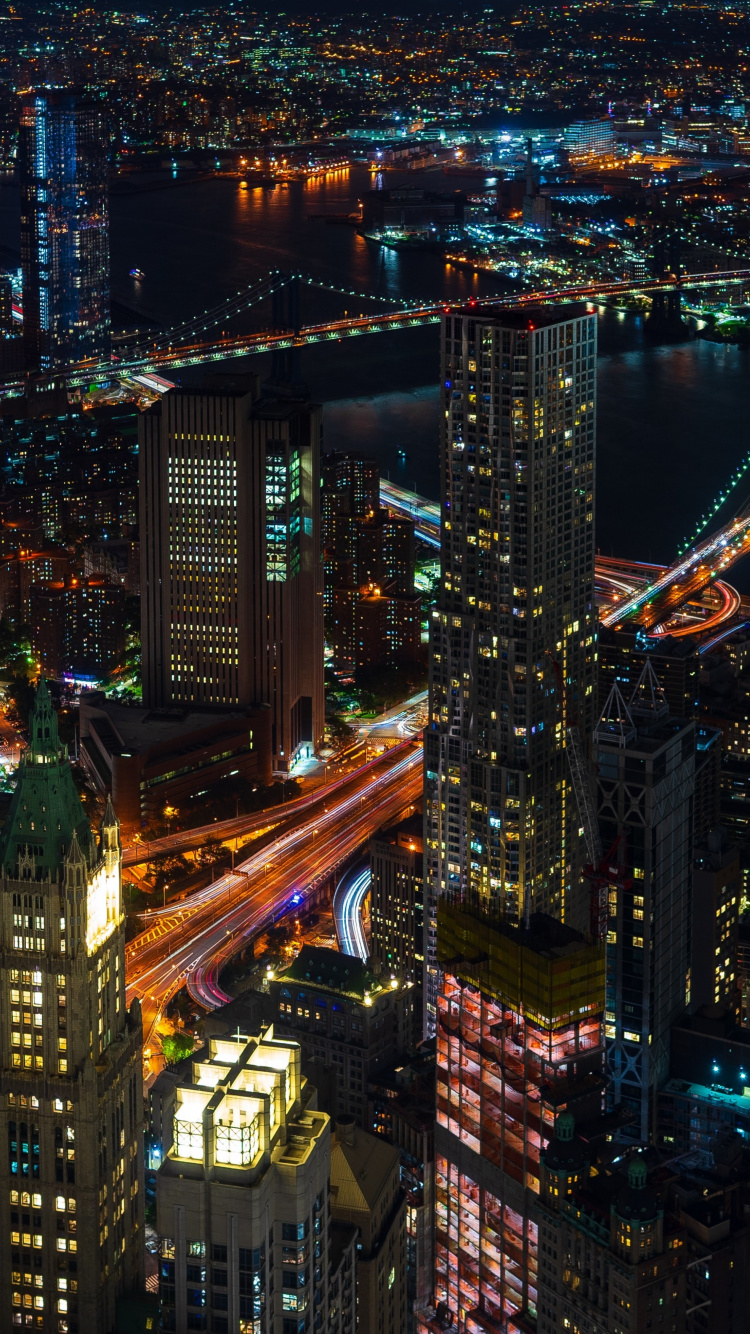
pixel 187 944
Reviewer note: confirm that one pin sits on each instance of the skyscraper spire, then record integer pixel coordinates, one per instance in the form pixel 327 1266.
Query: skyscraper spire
pixel 45 739
pixel 648 700
pixel 45 810
pixel 615 723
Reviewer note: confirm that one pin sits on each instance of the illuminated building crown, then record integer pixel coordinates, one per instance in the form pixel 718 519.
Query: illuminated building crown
pixel 45 817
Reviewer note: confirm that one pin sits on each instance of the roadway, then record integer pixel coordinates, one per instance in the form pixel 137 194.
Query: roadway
pixel 349 896
pixel 654 596
pixel 11 742
pixel 187 944
pixel 396 724
pixel 197 353
pixel 402 721
pixel 424 513
pixel 652 605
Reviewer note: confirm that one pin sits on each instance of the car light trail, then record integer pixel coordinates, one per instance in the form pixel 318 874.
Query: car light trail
pixel 217 921
pixel 350 895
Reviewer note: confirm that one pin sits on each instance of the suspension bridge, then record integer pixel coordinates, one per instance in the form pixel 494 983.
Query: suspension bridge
pixel 189 344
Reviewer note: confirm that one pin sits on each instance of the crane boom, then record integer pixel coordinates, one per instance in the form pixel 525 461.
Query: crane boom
pixel 584 798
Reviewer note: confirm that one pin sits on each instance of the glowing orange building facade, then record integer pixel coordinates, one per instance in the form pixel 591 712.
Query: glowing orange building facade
pixel 519 1039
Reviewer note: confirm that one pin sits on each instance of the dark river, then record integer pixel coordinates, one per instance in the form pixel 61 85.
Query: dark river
pixel 672 419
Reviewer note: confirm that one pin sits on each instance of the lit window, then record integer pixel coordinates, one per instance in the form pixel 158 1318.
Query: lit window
pixel 189 1139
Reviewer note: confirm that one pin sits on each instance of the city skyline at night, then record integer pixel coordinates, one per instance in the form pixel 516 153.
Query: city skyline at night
pixel 375 669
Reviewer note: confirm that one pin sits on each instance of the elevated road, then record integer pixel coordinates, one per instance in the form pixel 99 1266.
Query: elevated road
pixel 351 892
pixel 659 599
pixel 653 597
pixel 188 944
pixel 398 724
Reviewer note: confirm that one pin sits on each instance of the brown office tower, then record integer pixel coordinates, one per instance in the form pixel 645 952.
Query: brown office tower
pixel 519 1040
pixel 231 574
pixel 71 1098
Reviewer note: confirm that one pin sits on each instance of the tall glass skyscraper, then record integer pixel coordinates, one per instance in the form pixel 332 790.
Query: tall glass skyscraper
pixel 64 231
pixel 514 990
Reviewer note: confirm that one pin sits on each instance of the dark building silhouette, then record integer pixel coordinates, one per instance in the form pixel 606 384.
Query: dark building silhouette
pixel 645 763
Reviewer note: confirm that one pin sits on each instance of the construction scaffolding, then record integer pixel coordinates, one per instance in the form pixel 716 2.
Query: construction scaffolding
pixel 519 1039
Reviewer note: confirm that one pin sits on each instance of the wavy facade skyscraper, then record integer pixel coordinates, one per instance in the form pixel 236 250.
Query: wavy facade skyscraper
pixel 512 988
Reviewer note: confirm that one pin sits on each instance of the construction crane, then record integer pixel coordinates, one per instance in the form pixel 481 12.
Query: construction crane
pixel 602 871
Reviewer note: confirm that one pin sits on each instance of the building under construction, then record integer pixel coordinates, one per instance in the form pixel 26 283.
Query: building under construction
pixel 519 1040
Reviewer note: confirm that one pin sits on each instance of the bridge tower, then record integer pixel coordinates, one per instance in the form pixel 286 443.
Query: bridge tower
pixel 666 260
pixel 285 379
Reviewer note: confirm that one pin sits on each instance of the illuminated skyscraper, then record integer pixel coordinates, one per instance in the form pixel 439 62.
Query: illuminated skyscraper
pixel 242 1196
pixel 519 1015
pixel 71 1099
pixel 517 591
pixel 231 573
pixel 64 230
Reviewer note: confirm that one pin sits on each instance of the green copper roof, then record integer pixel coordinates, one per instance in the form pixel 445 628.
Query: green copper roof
pixel 45 812
pixel 332 971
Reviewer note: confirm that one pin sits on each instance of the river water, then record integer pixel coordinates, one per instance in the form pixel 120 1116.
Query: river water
pixel 672 420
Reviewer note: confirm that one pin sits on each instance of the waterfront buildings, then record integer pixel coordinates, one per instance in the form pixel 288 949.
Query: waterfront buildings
pixel 231 577
pixel 589 138
pixel 349 1021
pixel 242 1195
pixel 71 1102
pixel 64 230
pixel 645 762
pixel 502 826
pixel 396 899
pixel 366 1193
